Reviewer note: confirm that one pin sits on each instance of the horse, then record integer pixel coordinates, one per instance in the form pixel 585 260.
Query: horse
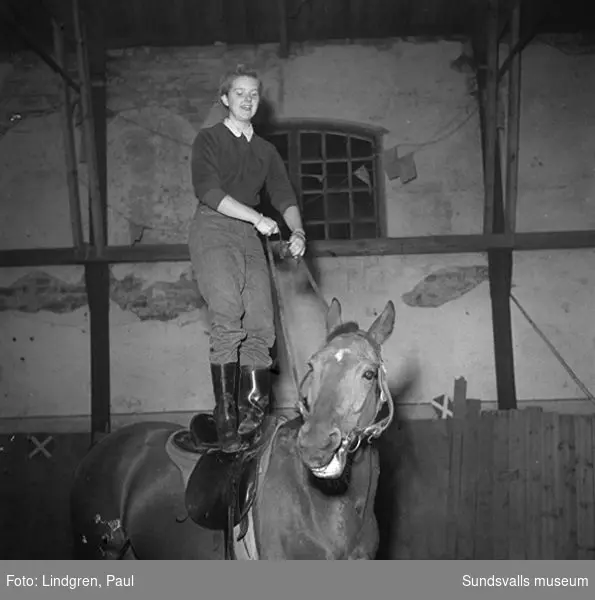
pixel 305 491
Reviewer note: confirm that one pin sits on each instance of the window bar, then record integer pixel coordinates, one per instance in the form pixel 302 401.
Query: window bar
pixel 324 186
pixel 350 186
pixel 294 149
pixel 375 184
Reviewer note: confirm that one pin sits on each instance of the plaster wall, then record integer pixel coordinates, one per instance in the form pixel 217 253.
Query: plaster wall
pixel 422 95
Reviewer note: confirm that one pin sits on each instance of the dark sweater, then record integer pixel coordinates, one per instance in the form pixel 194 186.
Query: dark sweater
pixel 223 164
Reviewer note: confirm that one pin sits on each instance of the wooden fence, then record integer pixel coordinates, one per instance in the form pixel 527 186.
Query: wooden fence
pixel 507 485
pixel 491 485
pixel 36 473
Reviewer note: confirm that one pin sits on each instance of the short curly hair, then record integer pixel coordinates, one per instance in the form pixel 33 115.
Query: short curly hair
pixel 240 71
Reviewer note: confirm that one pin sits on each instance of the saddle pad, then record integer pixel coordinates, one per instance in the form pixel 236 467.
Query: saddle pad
pixel 246 548
pixel 185 461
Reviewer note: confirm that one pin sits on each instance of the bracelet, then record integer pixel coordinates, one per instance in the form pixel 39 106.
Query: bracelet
pixel 299 232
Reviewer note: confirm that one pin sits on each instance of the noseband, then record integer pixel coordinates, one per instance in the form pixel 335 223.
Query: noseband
pixel 373 430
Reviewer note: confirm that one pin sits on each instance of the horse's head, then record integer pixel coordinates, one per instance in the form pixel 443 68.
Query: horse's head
pixel 343 393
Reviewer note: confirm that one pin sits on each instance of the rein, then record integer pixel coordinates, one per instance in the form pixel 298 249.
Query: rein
pixel 354 439
pixel 277 287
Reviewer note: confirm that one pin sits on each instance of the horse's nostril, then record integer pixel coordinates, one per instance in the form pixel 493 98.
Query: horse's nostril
pixel 320 439
pixel 333 437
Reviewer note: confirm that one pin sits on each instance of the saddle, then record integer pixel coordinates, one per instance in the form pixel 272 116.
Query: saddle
pixel 220 488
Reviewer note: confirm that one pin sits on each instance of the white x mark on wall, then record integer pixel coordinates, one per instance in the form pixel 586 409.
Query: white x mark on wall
pixel 40 447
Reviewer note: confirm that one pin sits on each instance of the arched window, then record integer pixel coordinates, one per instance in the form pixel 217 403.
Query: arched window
pixel 337 176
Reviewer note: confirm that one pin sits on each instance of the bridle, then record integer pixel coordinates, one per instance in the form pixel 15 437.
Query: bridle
pixel 360 434
pixel 353 440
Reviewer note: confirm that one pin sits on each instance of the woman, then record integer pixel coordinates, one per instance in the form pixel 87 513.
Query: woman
pixel 230 166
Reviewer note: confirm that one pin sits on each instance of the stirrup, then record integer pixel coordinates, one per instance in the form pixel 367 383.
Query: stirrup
pixel 255 414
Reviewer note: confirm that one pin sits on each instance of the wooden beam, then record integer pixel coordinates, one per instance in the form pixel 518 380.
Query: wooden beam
pixel 516 49
pixel 443 244
pixel 499 260
pixel 92 68
pixel 513 125
pixel 61 424
pixel 488 97
pixel 69 142
pixel 53 64
pixel 97 233
pixel 283 29
pixel 97 281
pixel 500 277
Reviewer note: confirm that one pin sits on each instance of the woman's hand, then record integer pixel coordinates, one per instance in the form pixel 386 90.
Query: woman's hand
pixel 297 243
pixel 266 226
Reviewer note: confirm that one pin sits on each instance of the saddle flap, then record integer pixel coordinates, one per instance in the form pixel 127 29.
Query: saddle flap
pixel 219 482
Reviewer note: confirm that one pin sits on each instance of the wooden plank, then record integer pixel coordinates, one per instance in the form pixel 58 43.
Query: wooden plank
pixel 283 29
pixel 439 473
pixel 69 142
pixel 533 465
pixel 500 497
pixel 514 109
pixel 410 412
pixel 499 262
pixel 566 533
pixel 585 495
pixel 592 549
pixel 401 492
pixel 456 427
pixel 97 282
pixel 517 482
pixel 13 483
pixel 500 267
pixel 469 481
pixel 420 494
pixel 488 89
pixel 549 504
pixel 485 488
pixel 97 219
pixel 430 244
pixel 53 510
pixel 92 68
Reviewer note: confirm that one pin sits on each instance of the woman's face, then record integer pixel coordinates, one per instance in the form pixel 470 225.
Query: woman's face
pixel 242 99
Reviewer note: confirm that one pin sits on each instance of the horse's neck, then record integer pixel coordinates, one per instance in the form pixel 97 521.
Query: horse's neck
pixel 302 522
pixel 304 316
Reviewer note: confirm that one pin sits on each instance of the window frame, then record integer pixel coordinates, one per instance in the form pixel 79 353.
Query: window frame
pixel 293 127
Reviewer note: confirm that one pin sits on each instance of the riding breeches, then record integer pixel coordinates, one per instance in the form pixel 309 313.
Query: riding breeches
pixel 232 276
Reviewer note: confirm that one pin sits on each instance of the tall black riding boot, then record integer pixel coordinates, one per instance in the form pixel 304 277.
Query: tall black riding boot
pixel 253 398
pixel 225 383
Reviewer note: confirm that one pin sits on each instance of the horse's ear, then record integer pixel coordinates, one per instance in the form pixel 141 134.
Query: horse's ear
pixel 382 327
pixel 333 316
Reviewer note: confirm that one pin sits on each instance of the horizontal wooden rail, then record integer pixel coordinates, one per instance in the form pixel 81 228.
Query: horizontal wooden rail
pixel 445 244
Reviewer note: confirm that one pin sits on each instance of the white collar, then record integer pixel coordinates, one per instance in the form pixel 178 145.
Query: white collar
pixel 248 133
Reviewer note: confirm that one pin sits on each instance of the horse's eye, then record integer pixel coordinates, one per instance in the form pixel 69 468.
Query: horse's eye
pixel 369 374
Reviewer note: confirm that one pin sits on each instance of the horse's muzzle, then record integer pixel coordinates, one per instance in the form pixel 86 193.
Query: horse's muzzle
pixel 322 453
